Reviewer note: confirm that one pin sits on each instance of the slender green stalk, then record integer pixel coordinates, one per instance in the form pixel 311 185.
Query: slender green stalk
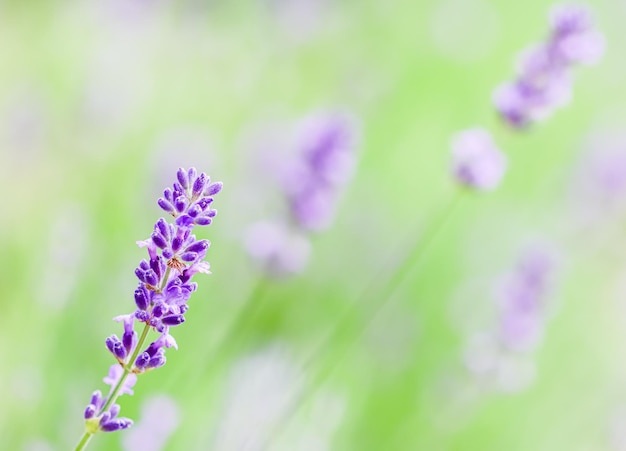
pixel 84 441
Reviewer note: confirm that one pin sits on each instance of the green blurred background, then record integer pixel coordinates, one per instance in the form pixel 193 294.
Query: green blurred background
pixel 101 102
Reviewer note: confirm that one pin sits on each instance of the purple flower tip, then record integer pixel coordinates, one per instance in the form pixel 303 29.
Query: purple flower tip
pixel 116 424
pixel 543 81
pixel 477 163
pixel 90 411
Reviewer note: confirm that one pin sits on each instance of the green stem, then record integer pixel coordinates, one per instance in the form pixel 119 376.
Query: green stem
pixel 84 441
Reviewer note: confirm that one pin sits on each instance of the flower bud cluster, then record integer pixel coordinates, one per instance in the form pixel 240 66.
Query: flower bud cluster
pixel 99 419
pixel 174 257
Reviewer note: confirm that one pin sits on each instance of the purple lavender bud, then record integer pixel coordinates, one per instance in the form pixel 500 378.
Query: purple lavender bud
pixel 213 189
pixel 114 410
pixel 164 228
pixel 203 221
pixel 150 278
pixel 192 174
pixel 90 411
pixel 116 424
pixel 199 184
pixel 178 189
pixel 173 320
pixel 184 308
pixel 159 240
pixel 157 361
pixel 204 202
pixel 142 316
pixel 180 203
pixel 198 246
pixel 106 416
pixel 184 221
pixel 177 242
pixel 119 351
pixel 181 175
pixel 96 399
pixel 166 205
pixel 142 360
pixel 194 211
pixel 159 310
pixel 158 266
pixel 477 162
pixel 142 297
pixel 168 194
pixel 110 343
pixel 189 257
pixel 129 339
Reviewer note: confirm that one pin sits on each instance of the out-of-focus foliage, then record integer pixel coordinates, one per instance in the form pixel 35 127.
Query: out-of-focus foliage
pixel 101 102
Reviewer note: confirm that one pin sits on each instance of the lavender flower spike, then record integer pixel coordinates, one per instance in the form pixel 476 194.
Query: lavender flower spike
pixel 160 300
pixel 544 81
pixel 327 159
pixel 477 163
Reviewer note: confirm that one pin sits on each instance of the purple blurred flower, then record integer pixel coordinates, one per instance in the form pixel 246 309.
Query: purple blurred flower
pixel 174 257
pixel 522 301
pixel 312 177
pixel 477 163
pixel 543 81
pixel 326 144
pixel 500 356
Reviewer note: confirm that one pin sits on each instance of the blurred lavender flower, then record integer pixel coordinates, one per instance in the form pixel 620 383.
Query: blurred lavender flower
pixel 522 301
pixel 165 286
pixel 477 163
pixel 312 181
pixel 326 143
pixel 499 357
pixel 544 82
